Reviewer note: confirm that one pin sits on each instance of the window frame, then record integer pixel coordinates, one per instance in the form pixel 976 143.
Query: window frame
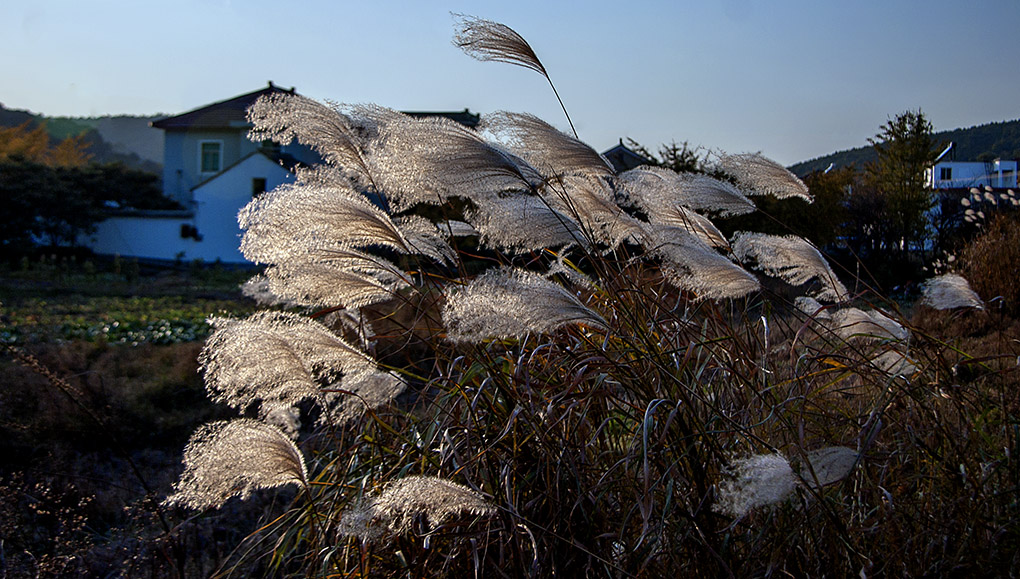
pixel 201 156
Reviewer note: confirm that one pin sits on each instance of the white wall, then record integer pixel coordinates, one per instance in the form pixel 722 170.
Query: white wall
pixel 217 202
pixel 142 236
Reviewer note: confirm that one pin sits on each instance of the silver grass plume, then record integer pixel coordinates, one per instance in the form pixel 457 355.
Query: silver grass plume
pixel 894 363
pixel 949 291
pixel 340 138
pixel 544 147
pixel 654 191
pixel 791 258
pixel 486 40
pixel 690 264
pixel 812 307
pixel 412 498
pixel 277 359
pixel 872 325
pixel 828 465
pixel 759 175
pixel 509 303
pixel 348 279
pixel 257 289
pixel 753 482
pixel 293 220
pixel 522 223
pixel 429 160
pixel 234 458
pixel 591 203
pixel 658 189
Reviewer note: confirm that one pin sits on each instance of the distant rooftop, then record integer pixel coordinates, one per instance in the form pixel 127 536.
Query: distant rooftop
pixel 231 113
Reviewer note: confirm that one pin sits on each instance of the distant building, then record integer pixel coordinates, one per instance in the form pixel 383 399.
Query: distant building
pixel 623 159
pixel 997 174
pixel 213 170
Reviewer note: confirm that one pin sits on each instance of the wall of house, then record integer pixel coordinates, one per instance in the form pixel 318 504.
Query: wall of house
pixel 151 236
pixel 218 201
pixel 973 174
pixel 181 157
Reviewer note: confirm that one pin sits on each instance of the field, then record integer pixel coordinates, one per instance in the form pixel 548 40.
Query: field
pixel 101 391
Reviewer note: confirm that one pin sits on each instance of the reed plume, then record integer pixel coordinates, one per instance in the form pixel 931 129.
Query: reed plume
pixel 405 501
pixel 791 258
pixel 511 303
pixel 234 458
pixel 657 189
pixel 950 291
pixel 759 175
pixel 753 482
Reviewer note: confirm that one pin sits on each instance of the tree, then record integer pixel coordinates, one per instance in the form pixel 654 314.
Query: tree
pixel 905 146
pixel 679 157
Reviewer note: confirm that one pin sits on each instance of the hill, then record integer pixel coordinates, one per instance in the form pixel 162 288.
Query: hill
pixel 999 140
pixel 128 140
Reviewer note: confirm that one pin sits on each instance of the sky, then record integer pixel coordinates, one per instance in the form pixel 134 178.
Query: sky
pixel 792 79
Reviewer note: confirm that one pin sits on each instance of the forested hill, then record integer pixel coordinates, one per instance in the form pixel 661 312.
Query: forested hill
pixel 112 139
pixel 981 143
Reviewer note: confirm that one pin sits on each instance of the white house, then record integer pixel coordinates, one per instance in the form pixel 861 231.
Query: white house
pixel 997 174
pixel 212 169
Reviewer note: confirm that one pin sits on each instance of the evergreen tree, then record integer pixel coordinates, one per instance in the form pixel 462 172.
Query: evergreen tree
pixel 905 146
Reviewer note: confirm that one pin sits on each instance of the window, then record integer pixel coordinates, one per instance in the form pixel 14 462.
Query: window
pixel 945 174
pixel 210 156
pixel 258 186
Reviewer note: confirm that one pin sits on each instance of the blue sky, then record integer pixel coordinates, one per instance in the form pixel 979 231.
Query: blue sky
pixel 794 79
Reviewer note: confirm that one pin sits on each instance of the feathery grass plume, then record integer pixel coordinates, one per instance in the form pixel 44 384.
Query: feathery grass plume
pixel 522 223
pixel 690 264
pixel 340 138
pixel 346 279
pixel 759 175
pixel 544 147
pixel 257 289
pixel 656 189
pixel 293 220
pixel 753 482
pixel 894 363
pixel 591 203
pixel 651 193
pixel 486 40
pixel 430 160
pixel 233 458
pixel 853 322
pixel 364 392
pixel 828 465
pixel 812 307
pixel 276 359
pixel 790 258
pixel 456 228
pixel 949 291
pixel 412 498
pixel 509 303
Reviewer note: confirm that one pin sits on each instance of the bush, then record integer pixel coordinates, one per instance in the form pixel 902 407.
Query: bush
pixel 991 262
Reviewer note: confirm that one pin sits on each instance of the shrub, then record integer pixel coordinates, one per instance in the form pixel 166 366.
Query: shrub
pixel 991 262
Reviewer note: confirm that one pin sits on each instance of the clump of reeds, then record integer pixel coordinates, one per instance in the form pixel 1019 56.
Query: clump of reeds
pixel 612 395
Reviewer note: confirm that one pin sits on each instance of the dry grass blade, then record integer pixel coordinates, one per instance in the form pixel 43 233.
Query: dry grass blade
pixel 234 458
